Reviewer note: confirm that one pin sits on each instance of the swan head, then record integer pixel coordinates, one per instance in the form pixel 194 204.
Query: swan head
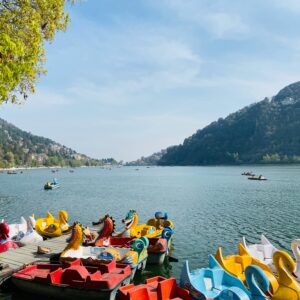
pixel 282 260
pixel 31 221
pixel 257 281
pixel 295 248
pixel 63 216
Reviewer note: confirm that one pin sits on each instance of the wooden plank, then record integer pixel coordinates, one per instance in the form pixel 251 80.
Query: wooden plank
pixel 18 258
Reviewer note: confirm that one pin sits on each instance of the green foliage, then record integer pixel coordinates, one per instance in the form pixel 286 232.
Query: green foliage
pixel 25 25
pixel 20 148
pixel 264 132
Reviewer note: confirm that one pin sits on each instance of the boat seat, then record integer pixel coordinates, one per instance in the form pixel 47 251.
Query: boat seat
pixel 43 275
pixel 266 250
pixel 156 288
pixel 74 274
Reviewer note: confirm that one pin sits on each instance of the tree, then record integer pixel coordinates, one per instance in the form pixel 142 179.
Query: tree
pixel 25 25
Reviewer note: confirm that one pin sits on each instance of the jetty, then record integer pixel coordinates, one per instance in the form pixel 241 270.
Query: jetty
pixel 19 258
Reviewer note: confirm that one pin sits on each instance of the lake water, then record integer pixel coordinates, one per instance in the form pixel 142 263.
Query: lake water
pixel 210 206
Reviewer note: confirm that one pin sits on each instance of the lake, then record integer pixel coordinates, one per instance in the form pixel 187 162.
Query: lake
pixel 210 206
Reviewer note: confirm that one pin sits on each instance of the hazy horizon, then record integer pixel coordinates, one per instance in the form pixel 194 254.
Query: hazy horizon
pixel 128 79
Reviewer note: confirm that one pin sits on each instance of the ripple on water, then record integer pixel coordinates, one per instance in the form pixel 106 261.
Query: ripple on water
pixel 210 206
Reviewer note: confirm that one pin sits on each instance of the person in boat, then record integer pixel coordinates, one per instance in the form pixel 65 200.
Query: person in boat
pixel 54 181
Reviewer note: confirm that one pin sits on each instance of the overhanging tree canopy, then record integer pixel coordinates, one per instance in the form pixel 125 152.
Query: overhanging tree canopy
pixel 25 25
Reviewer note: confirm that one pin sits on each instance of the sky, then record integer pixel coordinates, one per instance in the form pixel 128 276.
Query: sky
pixel 129 78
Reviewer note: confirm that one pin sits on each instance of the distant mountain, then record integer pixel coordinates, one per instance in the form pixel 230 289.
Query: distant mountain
pixel 21 148
pixel 149 160
pixel 264 132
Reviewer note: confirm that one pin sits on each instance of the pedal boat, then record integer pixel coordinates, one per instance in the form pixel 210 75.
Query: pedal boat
pixel 5 242
pixel 25 236
pixel 73 280
pixel 14 229
pixel 156 288
pixel 51 185
pixel 289 288
pixel 51 227
pixel 158 248
pixel 153 228
pixel 237 264
pixel 215 283
pixel 295 248
pixel 263 251
pixel 135 256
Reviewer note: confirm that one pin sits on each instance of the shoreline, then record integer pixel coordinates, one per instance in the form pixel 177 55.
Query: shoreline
pixel 30 168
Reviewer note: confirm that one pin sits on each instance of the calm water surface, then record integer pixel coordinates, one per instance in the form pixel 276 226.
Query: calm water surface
pixel 210 206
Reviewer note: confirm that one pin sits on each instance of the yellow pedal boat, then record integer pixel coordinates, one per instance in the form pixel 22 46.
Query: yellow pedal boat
pixel 51 227
pixel 237 264
pixel 289 288
pixel 153 228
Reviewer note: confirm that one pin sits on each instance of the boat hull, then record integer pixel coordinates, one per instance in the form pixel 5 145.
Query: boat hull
pixel 63 292
pixel 156 258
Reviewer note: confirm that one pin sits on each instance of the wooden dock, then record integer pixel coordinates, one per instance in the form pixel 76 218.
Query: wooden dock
pixel 19 258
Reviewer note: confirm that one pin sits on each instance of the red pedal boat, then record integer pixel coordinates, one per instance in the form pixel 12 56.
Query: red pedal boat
pixel 73 280
pixel 157 249
pixel 156 288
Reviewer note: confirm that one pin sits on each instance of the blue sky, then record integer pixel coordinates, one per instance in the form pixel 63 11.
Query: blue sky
pixel 129 78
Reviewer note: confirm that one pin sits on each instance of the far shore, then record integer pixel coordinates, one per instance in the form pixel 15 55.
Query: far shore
pixel 30 168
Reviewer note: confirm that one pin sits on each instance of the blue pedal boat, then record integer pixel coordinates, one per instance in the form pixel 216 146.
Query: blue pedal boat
pixel 215 283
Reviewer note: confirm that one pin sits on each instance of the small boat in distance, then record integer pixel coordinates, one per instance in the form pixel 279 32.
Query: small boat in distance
pixel 248 173
pixel 10 172
pixel 260 177
pixel 51 185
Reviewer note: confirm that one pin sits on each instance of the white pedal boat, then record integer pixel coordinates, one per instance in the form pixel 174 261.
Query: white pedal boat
pixel 263 251
pixel 24 232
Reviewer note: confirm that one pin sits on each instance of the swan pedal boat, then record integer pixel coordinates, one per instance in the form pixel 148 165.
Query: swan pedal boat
pixel 73 280
pixel 51 227
pixel 135 256
pixel 156 288
pixel 236 265
pixel 104 229
pixel 6 243
pixel 295 248
pixel 215 283
pixel 14 229
pixel 263 251
pixel 153 228
pixel 24 233
pixel 288 287
pixel 157 249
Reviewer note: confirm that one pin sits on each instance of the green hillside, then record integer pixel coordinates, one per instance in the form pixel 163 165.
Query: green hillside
pixel 264 132
pixel 21 148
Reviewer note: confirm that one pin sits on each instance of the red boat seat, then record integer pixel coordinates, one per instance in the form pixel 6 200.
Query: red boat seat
pixel 156 288
pixel 105 276
pixel 74 274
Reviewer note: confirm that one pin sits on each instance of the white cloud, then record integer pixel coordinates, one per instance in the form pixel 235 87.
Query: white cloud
pixel 47 97
pixel 289 5
pixel 224 25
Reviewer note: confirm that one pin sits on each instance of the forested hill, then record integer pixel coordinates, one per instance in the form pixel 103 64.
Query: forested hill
pixel 264 132
pixel 21 148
